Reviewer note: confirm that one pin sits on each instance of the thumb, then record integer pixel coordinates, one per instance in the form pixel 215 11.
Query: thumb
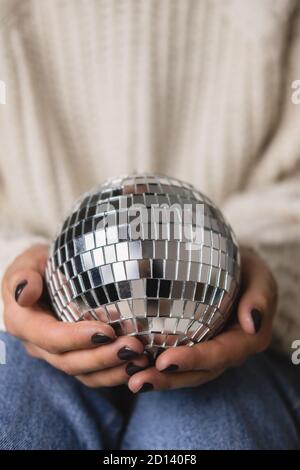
pixel 25 276
pixel 258 301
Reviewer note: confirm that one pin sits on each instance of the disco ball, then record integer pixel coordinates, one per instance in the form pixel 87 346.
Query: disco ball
pixel 151 256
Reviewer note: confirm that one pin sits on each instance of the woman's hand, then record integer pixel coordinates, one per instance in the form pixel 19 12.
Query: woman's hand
pixel 191 366
pixel 88 350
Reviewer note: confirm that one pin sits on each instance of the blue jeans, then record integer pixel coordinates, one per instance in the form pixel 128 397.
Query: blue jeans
pixel 256 406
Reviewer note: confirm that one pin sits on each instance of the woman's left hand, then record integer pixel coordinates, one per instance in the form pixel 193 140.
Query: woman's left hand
pixel 186 366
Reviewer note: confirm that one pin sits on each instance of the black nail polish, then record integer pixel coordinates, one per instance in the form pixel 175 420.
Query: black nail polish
pixel 146 387
pixel 132 368
pixel 150 358
pixel 170 368
pixel 158 352
pixel 257 319
pixel 99 338
pixel 126 354
pixel 19 289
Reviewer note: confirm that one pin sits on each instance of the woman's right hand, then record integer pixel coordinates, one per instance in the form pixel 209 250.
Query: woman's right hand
pixel 88 350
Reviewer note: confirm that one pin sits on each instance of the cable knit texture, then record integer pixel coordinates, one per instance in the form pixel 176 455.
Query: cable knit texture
pixel 199 90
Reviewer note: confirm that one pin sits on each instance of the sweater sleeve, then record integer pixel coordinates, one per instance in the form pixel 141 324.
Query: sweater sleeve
pixel 267 214
pixel 14 238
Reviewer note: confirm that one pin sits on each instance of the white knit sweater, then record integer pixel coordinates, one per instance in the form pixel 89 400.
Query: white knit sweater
pixel 196 89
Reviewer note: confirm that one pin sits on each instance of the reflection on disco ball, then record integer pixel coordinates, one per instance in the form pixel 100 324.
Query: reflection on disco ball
pixel 151 256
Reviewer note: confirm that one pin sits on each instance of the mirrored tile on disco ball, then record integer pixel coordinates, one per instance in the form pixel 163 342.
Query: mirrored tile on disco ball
pixel 177 308
pixel 124 309
pixel 142 324
pixel 110 254
pixel 189 290
pixel 100 237
pixel 182 325
pixel 159 250
pixel 100 296
pixel 145 269
pixel 128 327
pixel 151 287
pixel 165 307
pixel 152 307
pixel 138 307
pixel 182 273
pixel 177 287
pixel 138 288
pixel 189 309
pixel 107 274
pixel 122 251
pixel 147 249
pixel 158 268
pixel 132 269
pixel 135 249
pixel 164 288
pixel 112 292
pixel 124 289
pixel 170 269
pixel 119 272
pixel 98 257
pixel 95 276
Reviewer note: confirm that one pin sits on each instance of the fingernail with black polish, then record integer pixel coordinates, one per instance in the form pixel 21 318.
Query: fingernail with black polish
pixel 99 338
pixel 257 319
pixel 126 354
pixel 158 352
pixel 19 289
pixel 132 368
pixel 146 387
pixel 170 368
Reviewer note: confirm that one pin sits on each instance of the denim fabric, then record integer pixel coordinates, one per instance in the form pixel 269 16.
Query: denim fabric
pixel 256 406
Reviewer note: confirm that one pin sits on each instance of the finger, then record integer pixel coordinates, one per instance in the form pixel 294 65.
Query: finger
pixel 24 277
pixel 40 327
pixel 111 377
pixel 92 360
pixel 228 349
pixel 257 304
pixel 152 379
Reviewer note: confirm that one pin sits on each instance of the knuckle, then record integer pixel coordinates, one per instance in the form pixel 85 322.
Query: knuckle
pixel 66 367
pixel 195 359
pixel 73 331
pixel 219 360
pixel 52 342
pixel 83 379
pixel 52 348
pixel 88 381
pixel 30 351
